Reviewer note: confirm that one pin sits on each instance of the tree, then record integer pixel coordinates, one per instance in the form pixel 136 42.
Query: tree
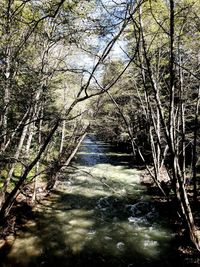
pixel 167 94
pixel 49 79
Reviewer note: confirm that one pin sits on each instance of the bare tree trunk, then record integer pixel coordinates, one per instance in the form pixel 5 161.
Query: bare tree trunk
pixel 6 101
pixel 7 88
pixel 23 121
pixel 64 123
pixel 194 160
pixel 183 155
pixel 38 163
pixel 182 110
pixel 171 123
pixel 36 111
pixel 62 136
pixel 16 157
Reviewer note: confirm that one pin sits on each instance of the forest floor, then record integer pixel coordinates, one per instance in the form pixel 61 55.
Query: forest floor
pixel 190 257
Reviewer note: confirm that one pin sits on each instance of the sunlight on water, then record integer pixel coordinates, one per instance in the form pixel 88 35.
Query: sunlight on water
pixel 98 208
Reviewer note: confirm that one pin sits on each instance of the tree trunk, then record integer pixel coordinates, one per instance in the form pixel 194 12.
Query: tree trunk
pixel 36 111
pixel 7 73
pixel 11 197
pixel 23 121
pixel 10 173
pixel 38 163
pixel 194 159
pixel 60 166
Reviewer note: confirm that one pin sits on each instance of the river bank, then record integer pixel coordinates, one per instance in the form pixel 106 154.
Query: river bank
pixel 188 254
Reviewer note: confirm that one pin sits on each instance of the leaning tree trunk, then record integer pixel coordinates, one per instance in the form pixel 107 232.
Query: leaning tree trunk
pixel 61 164
pixel 11 197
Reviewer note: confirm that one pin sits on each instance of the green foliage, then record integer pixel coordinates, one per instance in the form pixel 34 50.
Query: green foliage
pixel 35 38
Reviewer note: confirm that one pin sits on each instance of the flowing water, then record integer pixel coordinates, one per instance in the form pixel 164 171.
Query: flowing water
pixel 99 215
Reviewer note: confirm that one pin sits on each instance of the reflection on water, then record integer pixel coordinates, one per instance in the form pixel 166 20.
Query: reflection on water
pixel 98 216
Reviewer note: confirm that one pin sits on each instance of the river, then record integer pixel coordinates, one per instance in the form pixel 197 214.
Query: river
pixel 98 215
